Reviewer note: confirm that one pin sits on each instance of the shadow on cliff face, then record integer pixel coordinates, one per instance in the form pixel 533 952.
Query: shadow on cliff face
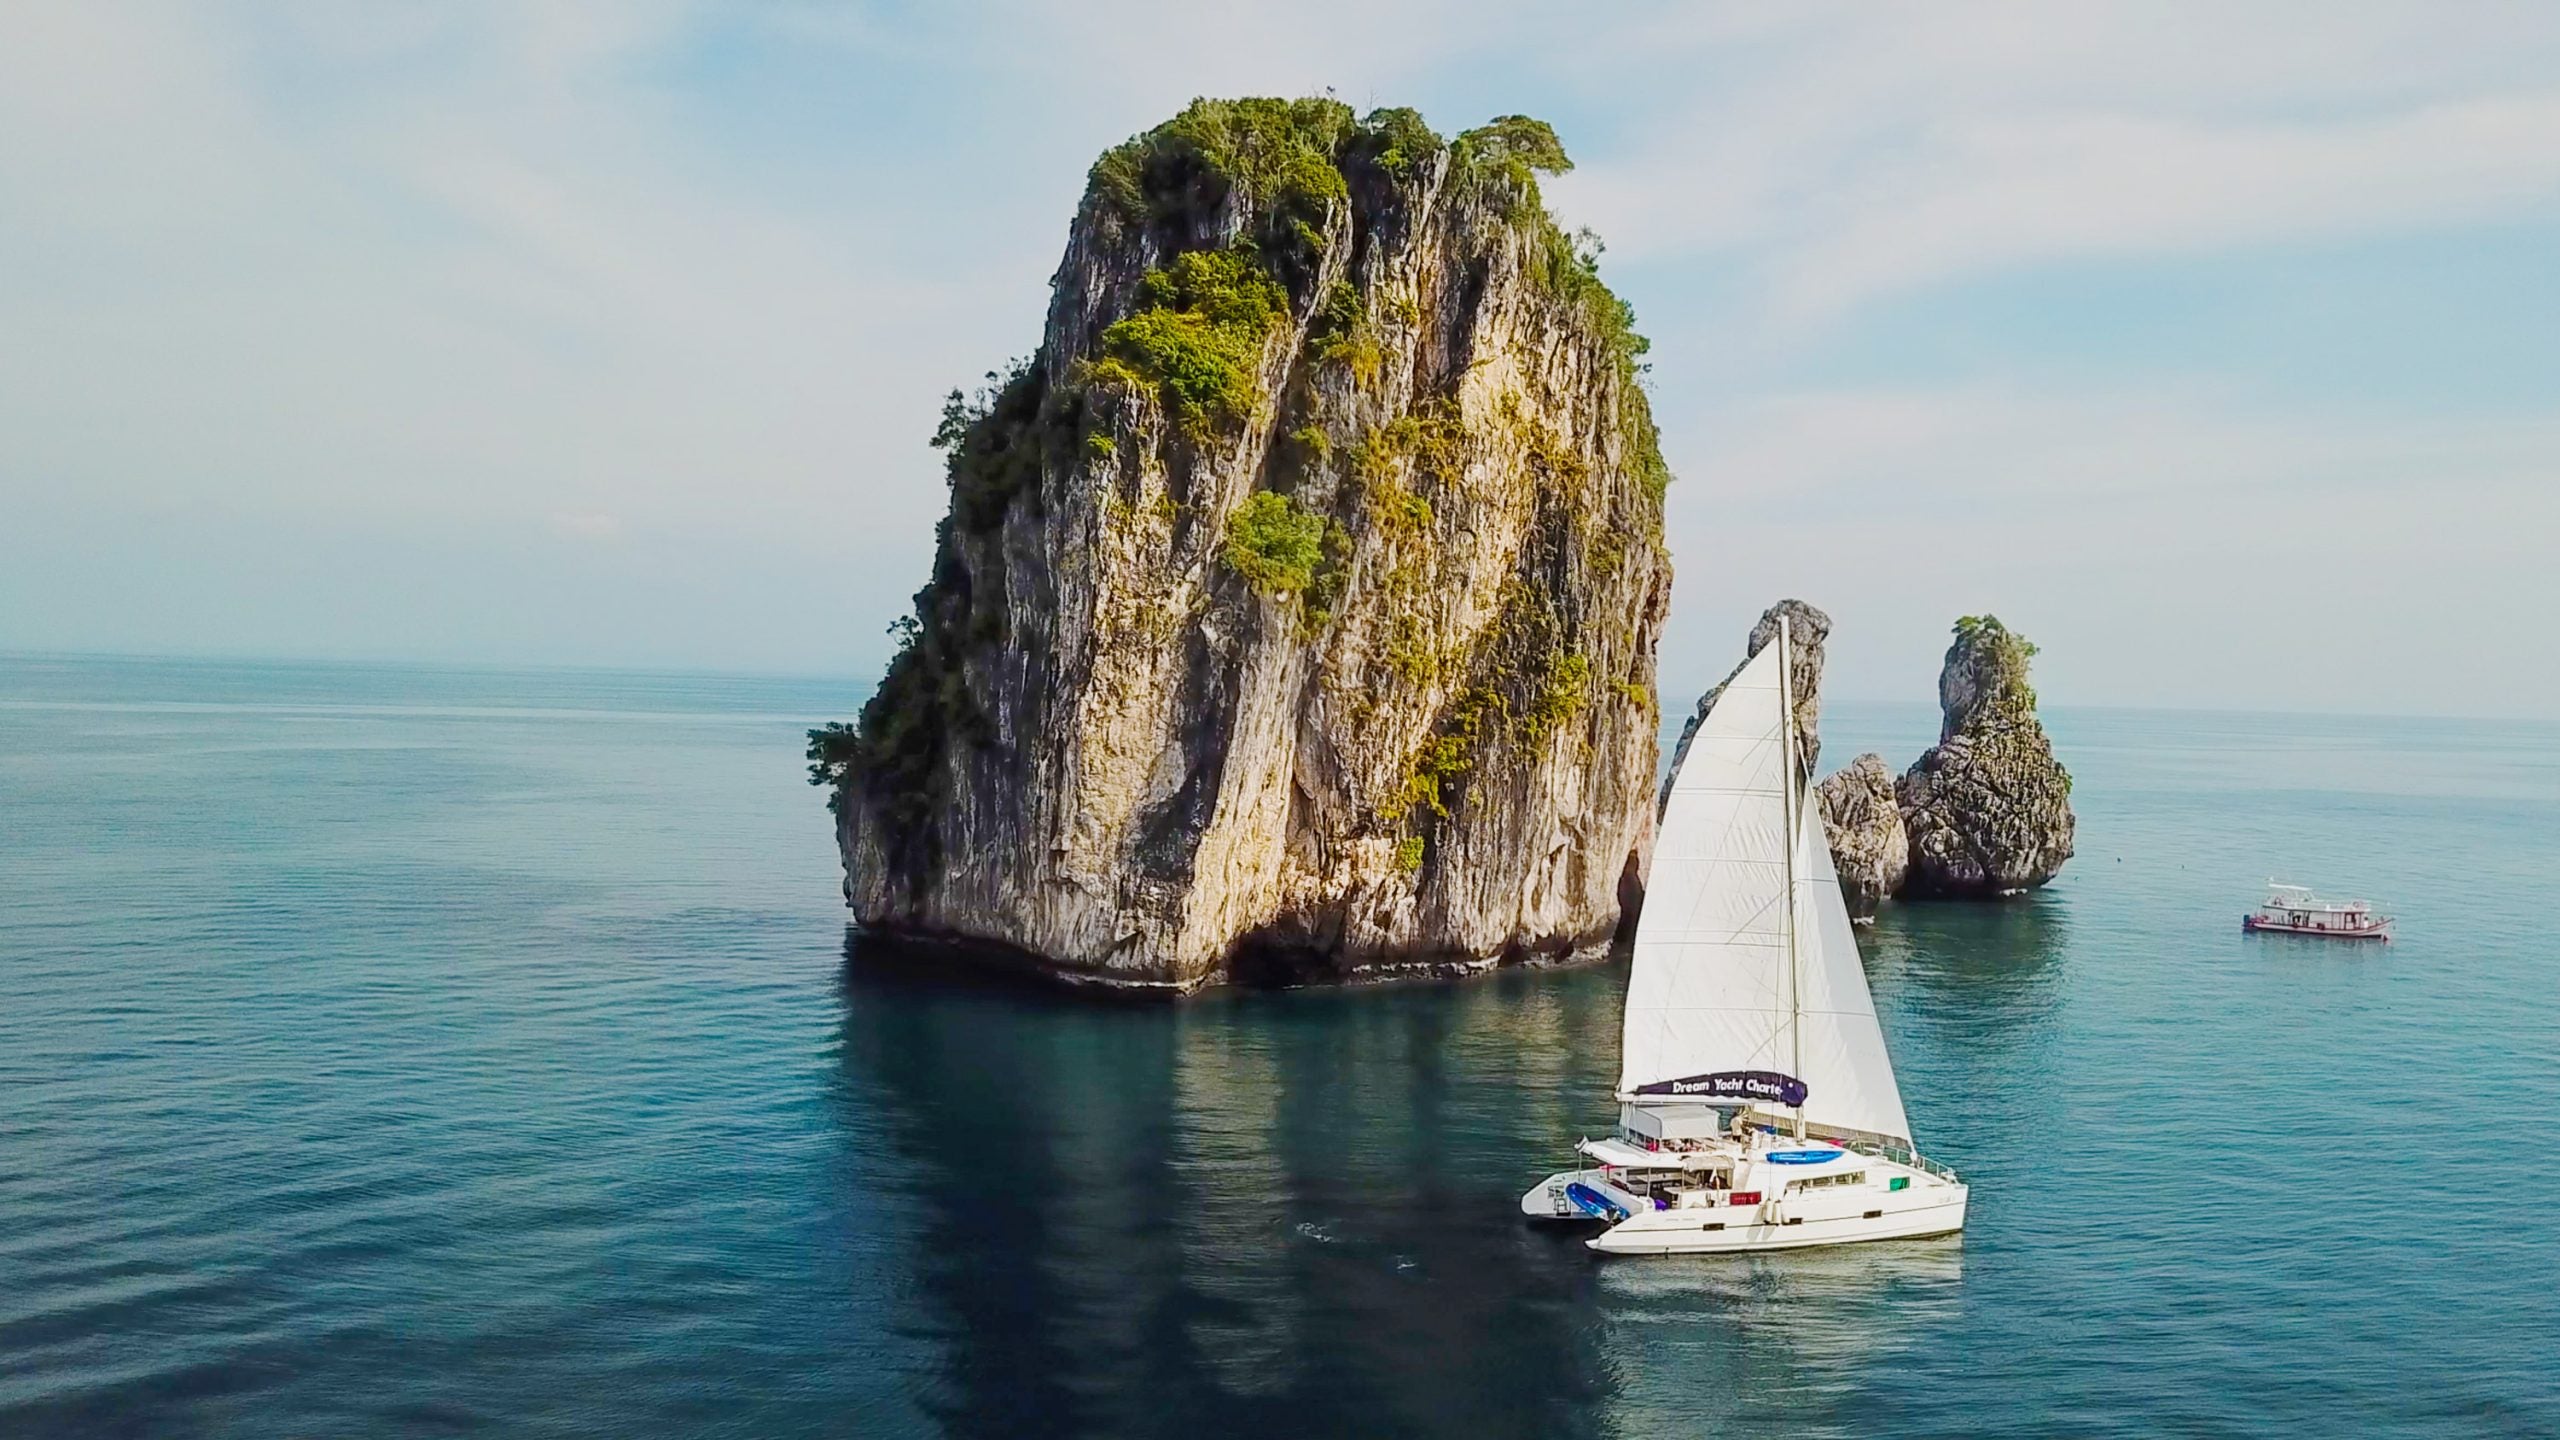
pixel 1268 960
pixel 896 962
pixel 1264 961
pixel 1630 904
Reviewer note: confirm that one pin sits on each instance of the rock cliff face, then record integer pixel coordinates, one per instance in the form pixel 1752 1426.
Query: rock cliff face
pixel 1864 824
pixel 1807 628
pixel 1988 809
pixel 1295 614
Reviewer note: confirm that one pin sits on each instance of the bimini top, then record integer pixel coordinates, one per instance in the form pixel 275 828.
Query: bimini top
pixel 1717 1007
pixel 2299 897
pixel 1613 1151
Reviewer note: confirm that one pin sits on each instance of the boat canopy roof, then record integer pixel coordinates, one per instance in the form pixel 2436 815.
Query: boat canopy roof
pixel 2299 897
pixel 1674 1119
pixel 1613 1151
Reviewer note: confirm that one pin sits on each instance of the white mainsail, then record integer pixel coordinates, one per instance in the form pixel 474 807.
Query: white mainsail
pixel 1715 988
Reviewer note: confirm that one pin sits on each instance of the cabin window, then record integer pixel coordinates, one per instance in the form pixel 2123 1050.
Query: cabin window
pixel 1898 1182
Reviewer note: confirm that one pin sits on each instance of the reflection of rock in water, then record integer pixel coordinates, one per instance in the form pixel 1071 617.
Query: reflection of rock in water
pixel 1788 1343
pixel 1969 997
pixel 1246 1328
pixel 2001 960
pixel 1286 1215
pixel 1019 1133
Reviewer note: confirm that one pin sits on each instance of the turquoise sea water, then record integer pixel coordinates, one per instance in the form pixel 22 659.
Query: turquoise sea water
pixel 395 1051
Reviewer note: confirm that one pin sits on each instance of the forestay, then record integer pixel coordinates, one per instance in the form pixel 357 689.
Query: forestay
pixel 1713 989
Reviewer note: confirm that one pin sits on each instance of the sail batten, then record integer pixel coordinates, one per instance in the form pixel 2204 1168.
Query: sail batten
pixel 1715 986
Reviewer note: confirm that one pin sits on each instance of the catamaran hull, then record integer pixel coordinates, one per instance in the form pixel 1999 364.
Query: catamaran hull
pixel 1687 1232
pixel 1690 1233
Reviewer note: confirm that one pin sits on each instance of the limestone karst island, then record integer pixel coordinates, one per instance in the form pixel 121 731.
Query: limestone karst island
pixel 1296 610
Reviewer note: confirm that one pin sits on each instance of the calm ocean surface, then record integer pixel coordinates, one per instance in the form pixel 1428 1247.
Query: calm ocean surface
pixel 395 1051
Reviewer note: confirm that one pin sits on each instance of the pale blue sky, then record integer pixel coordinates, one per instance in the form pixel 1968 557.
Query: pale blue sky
pixel 2215 347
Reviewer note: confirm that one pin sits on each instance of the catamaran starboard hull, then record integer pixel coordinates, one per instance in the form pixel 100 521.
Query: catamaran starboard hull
pixel 1681 1233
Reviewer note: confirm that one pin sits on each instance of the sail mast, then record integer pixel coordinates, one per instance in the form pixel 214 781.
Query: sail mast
pixel 1790 790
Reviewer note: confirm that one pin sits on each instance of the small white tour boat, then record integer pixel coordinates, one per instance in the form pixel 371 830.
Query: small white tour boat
pixel 2294 910
pixel 1757 1105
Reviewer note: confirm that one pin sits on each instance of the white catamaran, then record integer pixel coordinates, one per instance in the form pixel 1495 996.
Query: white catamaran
pixel 1757 1106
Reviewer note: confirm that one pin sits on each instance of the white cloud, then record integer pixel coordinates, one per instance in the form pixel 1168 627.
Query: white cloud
pixel 2011 192
pixel 1892 451
pixel 2161 545
pixel 1847 154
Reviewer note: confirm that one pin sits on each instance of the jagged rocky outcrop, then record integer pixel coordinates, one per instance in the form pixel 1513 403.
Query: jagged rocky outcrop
pixel 1807 628
pixel 1988 808
pixel 1295 614
pixel 1984 812
pixel 1858 811
pixel 1863 821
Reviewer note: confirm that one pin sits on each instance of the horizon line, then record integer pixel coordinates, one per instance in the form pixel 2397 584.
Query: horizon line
pixel 701 672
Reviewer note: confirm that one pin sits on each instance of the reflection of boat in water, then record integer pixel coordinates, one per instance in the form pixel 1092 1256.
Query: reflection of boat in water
pixel 1931 1265
pixel 2294 910
pixel 1773 1344
pixel 1757 1106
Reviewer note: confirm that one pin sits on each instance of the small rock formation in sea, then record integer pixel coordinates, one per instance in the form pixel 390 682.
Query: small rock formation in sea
pixel 1988 808
pixel 1864 824
pixel 1807 628
pixel 1296 609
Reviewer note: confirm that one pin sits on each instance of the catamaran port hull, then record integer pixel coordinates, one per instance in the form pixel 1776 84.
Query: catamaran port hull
pixel 1675 1232
pixel 1554 1199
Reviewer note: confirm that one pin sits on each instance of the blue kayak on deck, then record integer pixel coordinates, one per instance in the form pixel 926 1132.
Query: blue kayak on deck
pixel 1592 1203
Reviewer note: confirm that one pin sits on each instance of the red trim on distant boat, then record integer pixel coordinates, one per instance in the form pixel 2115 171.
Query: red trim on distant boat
pixel 2379 930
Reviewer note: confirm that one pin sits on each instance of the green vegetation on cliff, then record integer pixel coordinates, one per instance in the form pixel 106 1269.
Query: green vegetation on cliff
pixel 1275 543
pixel 1277 158
pixel 1197 340
pixel 2008 653
pixel 1287 163
pixel 993 444
pixel 907 727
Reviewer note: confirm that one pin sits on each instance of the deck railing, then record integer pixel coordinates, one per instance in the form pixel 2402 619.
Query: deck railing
pixel 1869 1145
pixel 1903 1155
